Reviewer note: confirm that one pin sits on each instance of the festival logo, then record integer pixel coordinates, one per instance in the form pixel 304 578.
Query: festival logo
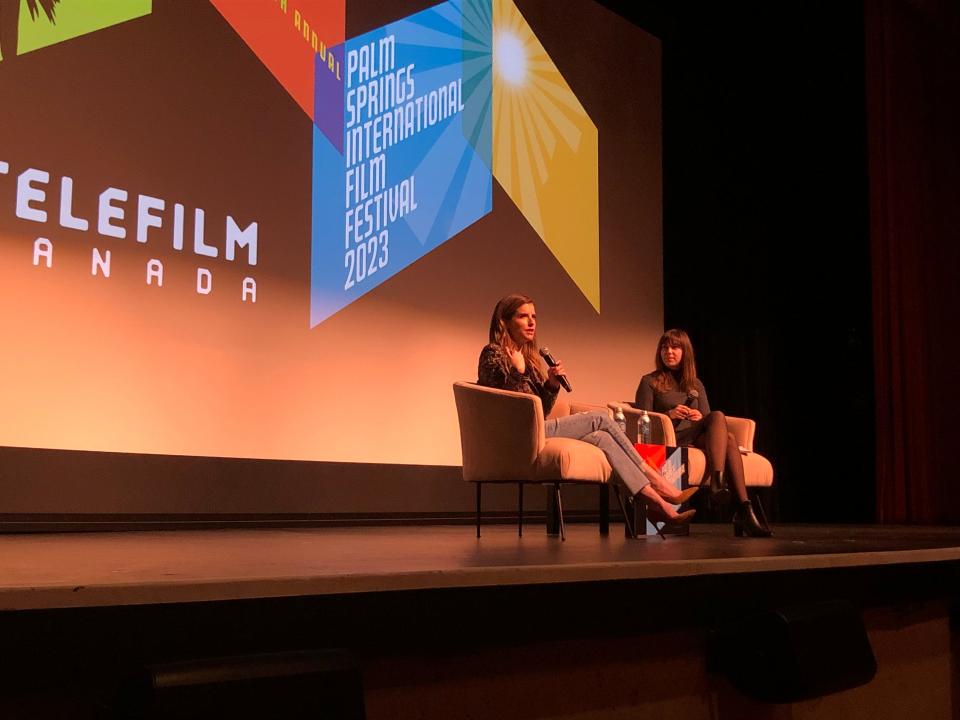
pixel 402 147
pixel 411 122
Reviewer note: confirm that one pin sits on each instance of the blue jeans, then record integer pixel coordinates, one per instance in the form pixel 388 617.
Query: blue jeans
pixel 598 429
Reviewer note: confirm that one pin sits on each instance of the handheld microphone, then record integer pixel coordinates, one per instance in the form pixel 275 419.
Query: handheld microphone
pixel 692 398
pixel 551 361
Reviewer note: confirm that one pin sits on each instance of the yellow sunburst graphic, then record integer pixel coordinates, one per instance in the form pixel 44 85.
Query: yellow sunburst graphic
pixel 545 149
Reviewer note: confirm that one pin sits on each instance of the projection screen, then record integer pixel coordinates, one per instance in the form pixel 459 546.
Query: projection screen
pixel 276 229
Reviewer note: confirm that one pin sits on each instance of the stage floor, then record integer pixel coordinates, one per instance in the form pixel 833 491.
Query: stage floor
pixel 40 571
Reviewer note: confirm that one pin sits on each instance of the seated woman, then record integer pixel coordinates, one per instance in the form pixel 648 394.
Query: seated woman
pixel 675 390
pixel 512 362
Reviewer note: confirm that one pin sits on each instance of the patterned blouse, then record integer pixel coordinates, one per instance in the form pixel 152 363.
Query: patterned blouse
pixel 495 370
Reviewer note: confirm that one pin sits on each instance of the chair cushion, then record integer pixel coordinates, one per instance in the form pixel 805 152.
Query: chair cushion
pixel 569 459
pixel 757 470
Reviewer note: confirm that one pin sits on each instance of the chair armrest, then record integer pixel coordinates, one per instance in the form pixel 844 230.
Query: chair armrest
pixel 501 433
pixel 661 426
pixel 579 407
pixel 744 430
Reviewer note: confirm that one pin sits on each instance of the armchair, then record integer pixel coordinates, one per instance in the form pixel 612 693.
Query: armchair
pixel 758 471
pixel 503 441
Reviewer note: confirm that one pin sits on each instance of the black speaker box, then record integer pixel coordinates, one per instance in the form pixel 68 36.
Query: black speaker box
pixel 794 653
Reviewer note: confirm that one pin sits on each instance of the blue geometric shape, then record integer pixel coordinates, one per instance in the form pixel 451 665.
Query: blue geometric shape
pixel 414 166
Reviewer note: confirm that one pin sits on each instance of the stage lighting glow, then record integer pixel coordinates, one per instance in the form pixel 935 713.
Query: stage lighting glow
pixel 510 58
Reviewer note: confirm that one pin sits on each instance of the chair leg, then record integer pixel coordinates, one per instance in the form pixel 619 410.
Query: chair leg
pixel 520 509
pixel 604 508
pixel 758 504
pixel 628 528
pixel 478 509
pixel 556 490
pixel 553 523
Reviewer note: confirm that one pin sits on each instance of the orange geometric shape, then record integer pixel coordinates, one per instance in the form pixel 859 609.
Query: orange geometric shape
pixel 287 35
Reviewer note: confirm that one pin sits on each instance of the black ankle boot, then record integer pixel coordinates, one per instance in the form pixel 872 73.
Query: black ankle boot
pixel 744 521
pixel 717 487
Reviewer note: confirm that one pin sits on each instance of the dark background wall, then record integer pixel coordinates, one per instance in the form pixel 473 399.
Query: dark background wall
pixel 766 232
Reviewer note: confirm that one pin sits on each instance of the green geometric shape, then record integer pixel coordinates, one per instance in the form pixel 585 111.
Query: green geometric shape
pixel 73 18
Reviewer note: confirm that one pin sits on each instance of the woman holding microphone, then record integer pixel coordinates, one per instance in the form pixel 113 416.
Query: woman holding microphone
pixel 511 361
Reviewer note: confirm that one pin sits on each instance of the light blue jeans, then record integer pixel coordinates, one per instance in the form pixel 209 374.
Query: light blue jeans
pixel 598 429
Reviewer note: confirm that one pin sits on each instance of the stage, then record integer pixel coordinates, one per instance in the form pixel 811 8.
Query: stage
pixel 134 568
pixel 441 624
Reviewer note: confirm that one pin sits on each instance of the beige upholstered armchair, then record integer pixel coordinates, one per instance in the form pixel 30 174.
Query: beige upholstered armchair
pixel 502 439
pixel 758 472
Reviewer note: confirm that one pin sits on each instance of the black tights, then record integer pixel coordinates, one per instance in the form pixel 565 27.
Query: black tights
pixel 720 446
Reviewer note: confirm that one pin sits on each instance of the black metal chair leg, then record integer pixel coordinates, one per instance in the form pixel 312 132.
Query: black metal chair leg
pixel 640 518
pixel 604 507
pixel 553 524
pixel 556 490
pixel 478 509
pixel 758 504
pixel 520 509
pixel 627 520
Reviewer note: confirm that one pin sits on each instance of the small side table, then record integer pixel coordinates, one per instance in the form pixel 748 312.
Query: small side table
pixel 672 463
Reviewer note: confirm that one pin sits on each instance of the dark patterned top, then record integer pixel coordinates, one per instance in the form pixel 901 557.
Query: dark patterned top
pixel 662 402
pixel 495 370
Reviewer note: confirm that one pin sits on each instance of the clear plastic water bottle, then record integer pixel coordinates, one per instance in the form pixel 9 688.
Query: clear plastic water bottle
pixel 620 419
pixel 644 433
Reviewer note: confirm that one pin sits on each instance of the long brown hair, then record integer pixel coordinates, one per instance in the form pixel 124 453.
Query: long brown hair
pixel 685 376
pixel 503 313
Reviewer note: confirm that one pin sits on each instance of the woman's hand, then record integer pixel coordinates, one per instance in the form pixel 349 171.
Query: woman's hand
pixel 682 412
pixel 678 413
pixel 552 372
pixel 516 357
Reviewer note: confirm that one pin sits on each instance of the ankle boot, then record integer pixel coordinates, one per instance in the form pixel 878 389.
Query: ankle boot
pixel 744 521
pixel 717 486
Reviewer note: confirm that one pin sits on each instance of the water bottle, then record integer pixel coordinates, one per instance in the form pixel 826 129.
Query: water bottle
pixel 619 418
pixel 644 428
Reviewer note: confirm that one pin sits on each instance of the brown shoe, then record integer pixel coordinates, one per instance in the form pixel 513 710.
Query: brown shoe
pixel 682 497
pixel 656 515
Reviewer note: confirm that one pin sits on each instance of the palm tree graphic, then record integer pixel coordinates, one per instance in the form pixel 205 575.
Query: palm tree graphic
pixel 10 21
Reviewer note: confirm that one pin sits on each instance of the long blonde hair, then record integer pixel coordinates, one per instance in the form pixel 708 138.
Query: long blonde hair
pixel 503 313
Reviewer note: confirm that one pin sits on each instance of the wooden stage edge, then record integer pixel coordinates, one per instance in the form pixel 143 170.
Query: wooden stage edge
pixel 78 570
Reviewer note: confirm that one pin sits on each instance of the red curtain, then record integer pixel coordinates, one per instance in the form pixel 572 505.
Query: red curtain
pixel 913 115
